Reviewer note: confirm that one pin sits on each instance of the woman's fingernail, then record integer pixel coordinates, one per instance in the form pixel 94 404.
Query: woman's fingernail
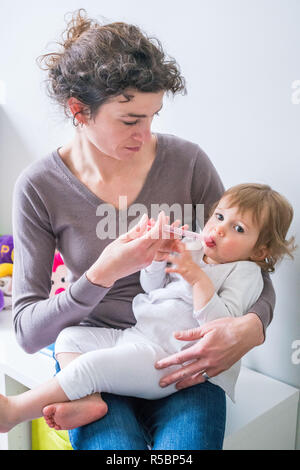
pixel 162 384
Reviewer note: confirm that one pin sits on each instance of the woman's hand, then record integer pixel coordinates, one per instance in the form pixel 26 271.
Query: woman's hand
pixel 129 253
pixel 221 344
pixel 168 245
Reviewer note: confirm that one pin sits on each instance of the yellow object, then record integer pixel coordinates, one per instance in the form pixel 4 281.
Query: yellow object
pixel 45 438
pixel 6 269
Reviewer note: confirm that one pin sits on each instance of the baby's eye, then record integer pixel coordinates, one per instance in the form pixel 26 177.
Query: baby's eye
pixel 219 216
pixel 239 228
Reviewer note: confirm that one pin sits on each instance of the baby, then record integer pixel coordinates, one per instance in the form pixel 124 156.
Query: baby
pixel 246 233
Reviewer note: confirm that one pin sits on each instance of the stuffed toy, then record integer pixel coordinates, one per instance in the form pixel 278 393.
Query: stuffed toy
pixel 6 270
pixel 58 285
pixel 2 304
pixel 6 255
pixel 6 291
pixel 59 275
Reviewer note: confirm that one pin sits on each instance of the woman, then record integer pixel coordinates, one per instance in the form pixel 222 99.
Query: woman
pixel 112 79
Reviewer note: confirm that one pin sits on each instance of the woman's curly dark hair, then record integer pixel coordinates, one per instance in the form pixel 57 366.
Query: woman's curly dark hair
pixel 98 62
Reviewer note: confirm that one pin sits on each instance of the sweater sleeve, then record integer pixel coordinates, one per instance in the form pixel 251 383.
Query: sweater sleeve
pixel 206 189
pixel 37 318
pixel 238 292
pixel 264 306
pixel 154 276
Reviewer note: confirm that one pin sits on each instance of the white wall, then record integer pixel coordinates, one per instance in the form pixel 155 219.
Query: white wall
pixel 240 59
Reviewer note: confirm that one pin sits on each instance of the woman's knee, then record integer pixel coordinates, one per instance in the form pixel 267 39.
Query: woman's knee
pixel 205 415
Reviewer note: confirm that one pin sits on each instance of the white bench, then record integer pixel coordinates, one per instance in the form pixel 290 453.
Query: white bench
pixel 263 417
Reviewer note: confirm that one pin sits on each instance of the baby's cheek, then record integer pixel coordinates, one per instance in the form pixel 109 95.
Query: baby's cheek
pixel 231 249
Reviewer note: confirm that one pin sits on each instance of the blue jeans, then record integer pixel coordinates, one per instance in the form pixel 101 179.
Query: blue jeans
pixel 190 419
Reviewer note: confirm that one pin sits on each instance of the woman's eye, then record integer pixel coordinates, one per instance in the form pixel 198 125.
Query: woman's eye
pixel 239 229
pixel 130 123
pixel 219 216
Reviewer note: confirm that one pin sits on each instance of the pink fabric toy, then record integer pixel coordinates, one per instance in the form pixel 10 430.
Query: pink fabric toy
pixel 59 275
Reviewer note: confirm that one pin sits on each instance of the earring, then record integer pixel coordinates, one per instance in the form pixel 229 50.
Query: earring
pixel 76 122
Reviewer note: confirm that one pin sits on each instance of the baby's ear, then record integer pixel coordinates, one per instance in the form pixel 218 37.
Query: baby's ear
pixel 260 253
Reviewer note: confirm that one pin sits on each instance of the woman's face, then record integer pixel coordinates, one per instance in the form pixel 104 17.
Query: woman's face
pixel 121 127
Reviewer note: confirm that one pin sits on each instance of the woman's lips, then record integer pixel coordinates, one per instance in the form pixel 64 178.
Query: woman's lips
pixel 133 149
pixel 209 241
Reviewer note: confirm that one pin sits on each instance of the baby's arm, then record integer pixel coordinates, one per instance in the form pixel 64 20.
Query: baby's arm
pixel 203 291
pixel 203 288
pixel 154 276
pixel 238 292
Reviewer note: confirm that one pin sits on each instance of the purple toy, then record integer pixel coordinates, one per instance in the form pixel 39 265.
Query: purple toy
pixel 6 249
pixel 1 300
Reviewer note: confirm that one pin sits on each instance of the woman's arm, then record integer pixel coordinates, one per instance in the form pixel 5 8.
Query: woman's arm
pixel 264 306
pixel 37 318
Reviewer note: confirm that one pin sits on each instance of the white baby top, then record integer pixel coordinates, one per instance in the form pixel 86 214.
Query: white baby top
pixel 167 305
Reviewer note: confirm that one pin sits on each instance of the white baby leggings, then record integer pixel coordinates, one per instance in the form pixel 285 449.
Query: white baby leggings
pixel 113 361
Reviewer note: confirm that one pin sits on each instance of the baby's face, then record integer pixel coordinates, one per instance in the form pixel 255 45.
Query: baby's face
pixel 228 235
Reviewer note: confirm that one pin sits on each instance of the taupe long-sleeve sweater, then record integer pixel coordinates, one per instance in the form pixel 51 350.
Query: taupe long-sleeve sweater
pixel 53 209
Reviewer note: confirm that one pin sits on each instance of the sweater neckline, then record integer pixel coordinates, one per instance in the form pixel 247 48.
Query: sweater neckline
pixel 92 197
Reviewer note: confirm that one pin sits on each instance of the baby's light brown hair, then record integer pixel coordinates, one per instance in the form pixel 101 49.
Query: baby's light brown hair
pixel 271 212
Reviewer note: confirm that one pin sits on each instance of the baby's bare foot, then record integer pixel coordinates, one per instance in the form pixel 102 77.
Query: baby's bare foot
pixel 72 414
pixel 6 421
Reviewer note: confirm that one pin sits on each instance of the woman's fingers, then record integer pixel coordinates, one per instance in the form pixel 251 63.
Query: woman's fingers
pixel 155 232
pixel 137 231
pixel 193 380
pixel 145 230
pixel 153 229
pixel 189 335
pixel 184 355
pixel 184 373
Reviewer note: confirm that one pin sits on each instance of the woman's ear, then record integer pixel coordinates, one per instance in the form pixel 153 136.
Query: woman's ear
pixel 259 253
pixel 78 110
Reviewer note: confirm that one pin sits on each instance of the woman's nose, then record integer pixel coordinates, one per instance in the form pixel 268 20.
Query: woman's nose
pixel 143 133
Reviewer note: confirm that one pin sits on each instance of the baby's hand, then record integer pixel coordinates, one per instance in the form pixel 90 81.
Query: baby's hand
pixel 184 264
